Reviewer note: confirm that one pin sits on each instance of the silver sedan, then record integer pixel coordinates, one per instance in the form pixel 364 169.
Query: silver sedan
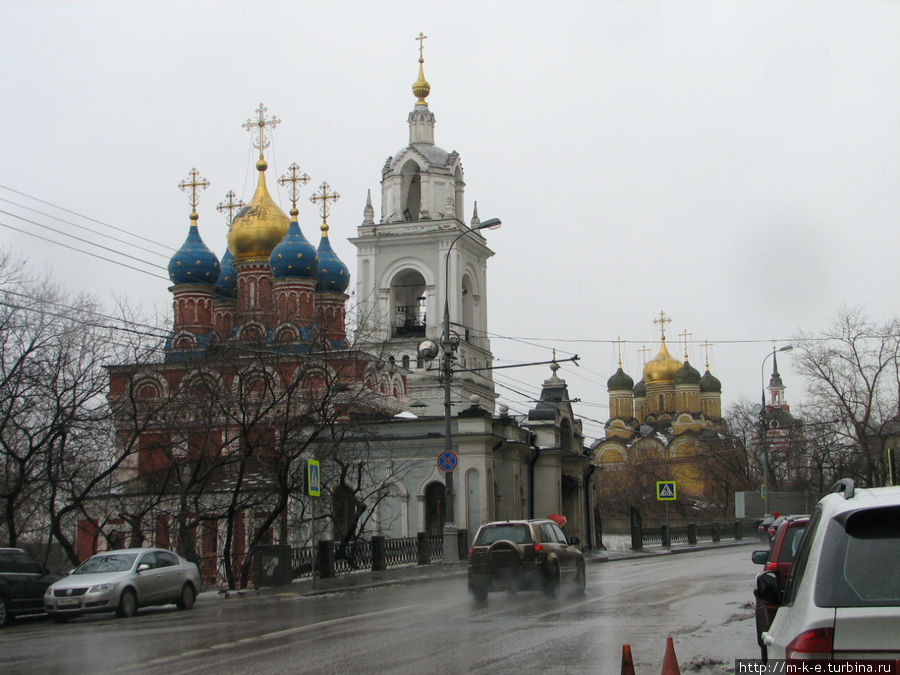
pixel 122 581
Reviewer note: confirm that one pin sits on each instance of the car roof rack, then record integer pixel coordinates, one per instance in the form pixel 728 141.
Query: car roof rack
pixel 845 485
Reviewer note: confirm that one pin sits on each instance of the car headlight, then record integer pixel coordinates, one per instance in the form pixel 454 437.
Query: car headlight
pixel 48 593
pixel 100 588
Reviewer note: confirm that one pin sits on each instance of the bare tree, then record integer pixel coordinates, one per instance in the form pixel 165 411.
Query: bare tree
pixel 852 378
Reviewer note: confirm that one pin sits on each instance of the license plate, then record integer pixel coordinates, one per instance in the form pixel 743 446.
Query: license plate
pixel 67 602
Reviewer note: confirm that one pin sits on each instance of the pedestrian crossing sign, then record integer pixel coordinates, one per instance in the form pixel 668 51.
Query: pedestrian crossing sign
pixel 665 490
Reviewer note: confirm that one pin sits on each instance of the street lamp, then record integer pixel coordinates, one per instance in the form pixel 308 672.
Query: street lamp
pixel 763 427
pixel 448 346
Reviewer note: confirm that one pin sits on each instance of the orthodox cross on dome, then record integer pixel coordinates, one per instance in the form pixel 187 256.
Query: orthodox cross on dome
pixel 323 195
pixel 292 178
pixel 228 206
pixel 258 126
pixel 662 321
pixel 706 345
pixel 192 182
pixel 421 37
pixel 619 348
pixel 643 351
pixel 684 336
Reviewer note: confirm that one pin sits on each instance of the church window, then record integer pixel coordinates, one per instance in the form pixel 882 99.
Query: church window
pixel 565 435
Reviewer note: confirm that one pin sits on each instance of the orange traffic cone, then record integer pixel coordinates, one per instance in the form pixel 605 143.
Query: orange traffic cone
pixel 670 663
pixel 627 661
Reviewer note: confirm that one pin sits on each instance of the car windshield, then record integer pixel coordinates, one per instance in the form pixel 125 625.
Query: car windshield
pixel 517 534
pixel 859 560
pixel 119 562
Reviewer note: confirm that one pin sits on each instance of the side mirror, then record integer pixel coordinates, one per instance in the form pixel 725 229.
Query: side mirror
pixel 767 588
pixel 760 557
pixel 574 541
pixel 143 567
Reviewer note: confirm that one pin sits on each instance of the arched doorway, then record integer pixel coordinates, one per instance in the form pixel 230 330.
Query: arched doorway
pixel 435 508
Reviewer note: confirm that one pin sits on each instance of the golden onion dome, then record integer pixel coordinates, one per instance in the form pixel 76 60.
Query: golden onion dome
pixel 662 367
pixel 258 227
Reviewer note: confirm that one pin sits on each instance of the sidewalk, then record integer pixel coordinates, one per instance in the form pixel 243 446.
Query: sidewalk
pixel 367 579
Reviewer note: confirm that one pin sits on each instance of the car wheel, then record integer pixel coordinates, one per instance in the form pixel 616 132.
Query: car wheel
pixel 551 582
pixel 127 604
pixel 5 614
pixel 580 579
pixel 186 599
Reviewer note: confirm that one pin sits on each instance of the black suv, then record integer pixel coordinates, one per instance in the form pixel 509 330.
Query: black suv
pixel 515 555
pixel 22 584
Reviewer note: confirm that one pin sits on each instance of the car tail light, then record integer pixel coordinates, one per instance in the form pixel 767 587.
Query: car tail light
pixel 770 567
pixel 471 548
pixel 812 644
pixel 538 548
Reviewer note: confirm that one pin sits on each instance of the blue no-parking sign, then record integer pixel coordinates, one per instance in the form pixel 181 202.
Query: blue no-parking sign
pixel 447 461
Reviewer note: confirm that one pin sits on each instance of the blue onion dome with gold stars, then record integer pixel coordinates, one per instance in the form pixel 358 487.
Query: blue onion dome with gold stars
pixel 226 286
pixel 294 257
pixel 194 263
pixel 640 389
pixel 619 381
pixel 332 274
pixel 687 374
pixel 258 227
pixel 709 383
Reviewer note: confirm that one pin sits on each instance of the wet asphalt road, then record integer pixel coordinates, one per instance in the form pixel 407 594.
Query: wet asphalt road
pixel 701 599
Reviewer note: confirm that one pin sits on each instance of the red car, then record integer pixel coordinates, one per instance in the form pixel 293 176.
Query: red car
pixel 778 559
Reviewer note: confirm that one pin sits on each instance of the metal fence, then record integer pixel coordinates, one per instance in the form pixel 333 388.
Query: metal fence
pixel 688 534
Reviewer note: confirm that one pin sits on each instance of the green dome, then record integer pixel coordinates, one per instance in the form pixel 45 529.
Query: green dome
pixel 640 390
pixel 619 381
pixel 687 374
pixel 710 384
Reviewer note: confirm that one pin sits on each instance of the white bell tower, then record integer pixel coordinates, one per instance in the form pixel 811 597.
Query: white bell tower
pixel 404 274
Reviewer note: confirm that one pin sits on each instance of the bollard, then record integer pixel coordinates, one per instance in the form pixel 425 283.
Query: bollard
pixel 627 661
pixel 422 548
pixel 462 541
pixel 664 536
pixel 670 662
pixel 738 534
pixel 379 553
pixel 692 533
pixel 325 564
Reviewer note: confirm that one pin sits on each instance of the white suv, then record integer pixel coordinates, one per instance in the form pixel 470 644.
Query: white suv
pixel 842 599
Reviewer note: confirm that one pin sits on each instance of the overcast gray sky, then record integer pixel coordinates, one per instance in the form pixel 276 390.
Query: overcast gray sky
pixel 734 164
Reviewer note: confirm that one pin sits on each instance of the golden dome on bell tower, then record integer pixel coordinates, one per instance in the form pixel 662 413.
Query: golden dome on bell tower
pixel 420 87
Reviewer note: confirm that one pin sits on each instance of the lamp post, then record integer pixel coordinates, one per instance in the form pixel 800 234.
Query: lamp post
pixel 763 427
pixel 448 347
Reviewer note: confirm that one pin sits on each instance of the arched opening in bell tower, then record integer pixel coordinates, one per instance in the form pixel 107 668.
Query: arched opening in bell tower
pixel 467 318
pixel 408 303
pixel 411 191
